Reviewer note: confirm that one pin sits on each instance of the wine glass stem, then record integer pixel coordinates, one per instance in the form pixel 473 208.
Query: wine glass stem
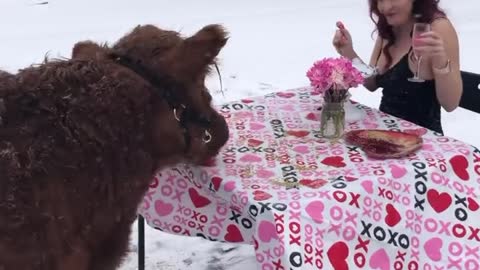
pixel 418 66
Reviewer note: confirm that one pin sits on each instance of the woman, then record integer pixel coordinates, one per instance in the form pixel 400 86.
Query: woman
pixel 395 60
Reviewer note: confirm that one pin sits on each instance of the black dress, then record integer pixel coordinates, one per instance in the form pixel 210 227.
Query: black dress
pixel 411 101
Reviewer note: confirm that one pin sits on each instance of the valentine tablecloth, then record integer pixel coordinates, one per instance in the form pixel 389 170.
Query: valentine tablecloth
pixel 309 203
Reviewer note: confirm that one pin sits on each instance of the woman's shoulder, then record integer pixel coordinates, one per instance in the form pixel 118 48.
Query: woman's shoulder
pixel 441 19
pixel 442 24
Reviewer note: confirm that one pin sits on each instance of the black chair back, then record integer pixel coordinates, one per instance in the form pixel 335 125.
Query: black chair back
pixel 471 91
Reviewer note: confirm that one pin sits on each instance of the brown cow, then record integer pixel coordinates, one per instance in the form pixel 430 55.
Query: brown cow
pixel 81 138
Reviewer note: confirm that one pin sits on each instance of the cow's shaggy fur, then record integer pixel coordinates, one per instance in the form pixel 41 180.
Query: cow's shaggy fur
pixel 81 138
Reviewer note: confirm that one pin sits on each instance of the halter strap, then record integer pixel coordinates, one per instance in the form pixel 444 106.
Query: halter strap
pixel 165 86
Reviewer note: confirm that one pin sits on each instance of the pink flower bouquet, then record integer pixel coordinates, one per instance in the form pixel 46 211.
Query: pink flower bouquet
pixel 333 77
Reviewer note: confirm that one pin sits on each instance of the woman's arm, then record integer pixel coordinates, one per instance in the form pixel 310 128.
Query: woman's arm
pixel 342 41
pixel 370 83
pixel 449 86
pixel 441 45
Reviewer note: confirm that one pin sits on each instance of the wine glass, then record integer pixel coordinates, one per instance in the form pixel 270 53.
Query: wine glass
pixel 418 29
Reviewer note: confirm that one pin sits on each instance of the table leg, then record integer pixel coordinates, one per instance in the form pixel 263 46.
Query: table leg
pixel 141 242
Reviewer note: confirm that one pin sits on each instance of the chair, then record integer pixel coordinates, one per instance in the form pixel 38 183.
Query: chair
pixel 471 91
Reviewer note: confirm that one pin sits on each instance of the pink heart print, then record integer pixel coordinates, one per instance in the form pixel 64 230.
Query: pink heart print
pixel 288 108
pixel 251 158
pixel 315 211
pixel 428 147
pixel 256 126
pixel 302 149
pixel 397 171
pixel 265 174
pixel 285 94
pixel 380 260
pixel 267 231
pixel 229 186
pixel 368 186
pixel 370 125
pixel 162 208
pixel 433 249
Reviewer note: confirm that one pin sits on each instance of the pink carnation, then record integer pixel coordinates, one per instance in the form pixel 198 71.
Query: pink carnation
pixel 334 73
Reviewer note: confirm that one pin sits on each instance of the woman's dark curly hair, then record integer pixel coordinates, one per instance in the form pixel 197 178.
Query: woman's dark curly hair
pixel 426 10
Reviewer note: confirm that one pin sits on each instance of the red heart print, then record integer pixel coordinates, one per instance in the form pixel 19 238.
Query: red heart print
pixel 261 195
pixel 472 205
pixel 216 181
pixel 312 117
pixel 154 182
pixel 336 161
pixel 298 133
pixel 247 101
pixel 350 178
pixel 285 95
pixel 439 201
pixel 337 254
pixel 233 234
pixel 198 200
pixel 254 142
pixel 460 165
pixel 317 183
pixel 393 217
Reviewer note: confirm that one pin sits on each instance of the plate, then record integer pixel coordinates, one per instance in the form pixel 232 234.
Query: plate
pixel 384 144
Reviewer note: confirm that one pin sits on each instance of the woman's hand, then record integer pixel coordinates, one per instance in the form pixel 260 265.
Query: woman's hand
pixel 342 41
pixel 431 45
pixel 442 47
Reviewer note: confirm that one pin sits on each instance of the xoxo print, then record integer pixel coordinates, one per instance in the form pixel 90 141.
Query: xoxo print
pixel 304 202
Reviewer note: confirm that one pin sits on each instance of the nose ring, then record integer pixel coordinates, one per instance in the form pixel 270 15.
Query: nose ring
pixel 208 137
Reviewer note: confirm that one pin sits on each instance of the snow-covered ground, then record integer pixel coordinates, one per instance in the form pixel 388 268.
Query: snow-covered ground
pixel 272 44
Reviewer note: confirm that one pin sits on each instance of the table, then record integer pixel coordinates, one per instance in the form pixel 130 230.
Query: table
pixel 309 203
